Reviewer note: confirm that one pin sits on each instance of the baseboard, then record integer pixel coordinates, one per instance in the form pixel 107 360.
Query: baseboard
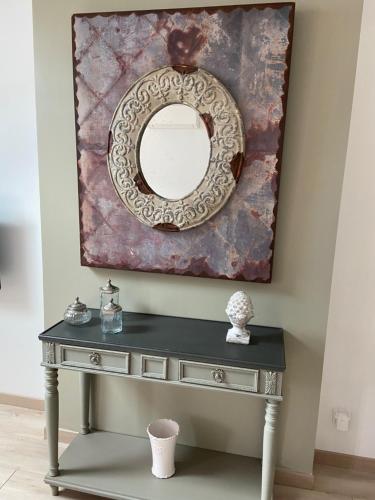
pixel 22 401
pixel 288 477
pixel 344 461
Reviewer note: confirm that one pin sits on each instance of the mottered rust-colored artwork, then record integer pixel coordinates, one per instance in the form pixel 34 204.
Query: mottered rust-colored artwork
pixel 248 49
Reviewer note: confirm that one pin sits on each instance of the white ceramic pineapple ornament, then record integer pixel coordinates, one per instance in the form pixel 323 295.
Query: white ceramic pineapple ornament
pixel 240 310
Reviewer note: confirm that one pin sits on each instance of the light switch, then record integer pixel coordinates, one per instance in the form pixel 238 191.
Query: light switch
pixel 341 419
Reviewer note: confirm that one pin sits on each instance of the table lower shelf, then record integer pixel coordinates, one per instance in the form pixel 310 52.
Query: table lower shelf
pixel 119 467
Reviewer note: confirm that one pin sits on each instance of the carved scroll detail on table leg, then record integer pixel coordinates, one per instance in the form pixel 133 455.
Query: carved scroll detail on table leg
pixel 271 383
pixel 50 356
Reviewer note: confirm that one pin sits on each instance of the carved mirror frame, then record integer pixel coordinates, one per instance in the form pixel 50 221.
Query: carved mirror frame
pixel 202 91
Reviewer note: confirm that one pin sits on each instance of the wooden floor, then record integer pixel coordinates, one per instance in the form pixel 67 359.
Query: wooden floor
pixel 23 463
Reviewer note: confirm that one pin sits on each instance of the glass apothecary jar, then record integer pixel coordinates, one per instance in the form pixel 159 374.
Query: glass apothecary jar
pixel 108 292
pixel 77 313
pixel 111 318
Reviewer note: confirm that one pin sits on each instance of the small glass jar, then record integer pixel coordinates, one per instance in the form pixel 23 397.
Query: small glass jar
pixel 108 292
pixel 77 313
pixel 112 318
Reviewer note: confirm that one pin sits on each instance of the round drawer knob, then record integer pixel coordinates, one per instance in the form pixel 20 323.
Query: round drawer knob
pixel 95 358
pixel 218 375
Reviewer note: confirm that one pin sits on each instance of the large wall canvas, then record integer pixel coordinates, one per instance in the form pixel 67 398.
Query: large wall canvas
pixel 248 48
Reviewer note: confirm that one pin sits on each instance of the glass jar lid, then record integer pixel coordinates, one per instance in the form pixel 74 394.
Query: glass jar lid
pixel 77 306
pixel 112 308
pixel 109 288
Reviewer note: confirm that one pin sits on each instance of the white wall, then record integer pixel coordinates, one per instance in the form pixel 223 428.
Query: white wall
pixel 348 375
pixel 21 302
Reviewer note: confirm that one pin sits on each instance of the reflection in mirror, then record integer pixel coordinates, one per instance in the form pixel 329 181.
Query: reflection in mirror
pixel 175 151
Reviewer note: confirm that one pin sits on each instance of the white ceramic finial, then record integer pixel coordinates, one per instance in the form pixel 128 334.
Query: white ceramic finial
pixel 239 310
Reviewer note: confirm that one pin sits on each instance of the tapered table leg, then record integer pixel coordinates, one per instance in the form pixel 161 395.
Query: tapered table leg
pixel 269 448
pixel 52 422
pixel 85 381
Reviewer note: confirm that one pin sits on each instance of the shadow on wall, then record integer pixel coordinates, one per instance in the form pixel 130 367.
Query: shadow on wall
pixel 17 255
pixel 301 368
pixel 206 418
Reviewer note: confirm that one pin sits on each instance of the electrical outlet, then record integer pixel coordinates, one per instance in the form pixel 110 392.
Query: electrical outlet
pixel 341 419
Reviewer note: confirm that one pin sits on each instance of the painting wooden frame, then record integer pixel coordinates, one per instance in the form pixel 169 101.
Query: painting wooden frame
pixel 248 48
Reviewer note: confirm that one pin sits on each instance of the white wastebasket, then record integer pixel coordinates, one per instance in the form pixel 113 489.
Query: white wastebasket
pixel 163 436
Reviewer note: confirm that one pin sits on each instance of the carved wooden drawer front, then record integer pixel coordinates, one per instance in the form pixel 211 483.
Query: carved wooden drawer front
pixel 154 367
pixel 82 357
pixel 241 379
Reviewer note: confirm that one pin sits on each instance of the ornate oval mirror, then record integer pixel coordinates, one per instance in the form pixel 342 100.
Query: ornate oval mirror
pixel 176 147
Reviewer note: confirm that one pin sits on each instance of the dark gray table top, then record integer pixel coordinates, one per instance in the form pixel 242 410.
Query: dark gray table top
pixel 194 339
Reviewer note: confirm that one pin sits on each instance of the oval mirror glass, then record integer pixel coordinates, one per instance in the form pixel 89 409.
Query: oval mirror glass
pixel 175 151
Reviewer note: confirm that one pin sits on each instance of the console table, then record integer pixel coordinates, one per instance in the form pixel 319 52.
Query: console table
pixel 162 349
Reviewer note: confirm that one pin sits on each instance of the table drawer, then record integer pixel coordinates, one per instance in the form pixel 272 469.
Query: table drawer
pixel 97 359
pixel 241 379
pixel 154 367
